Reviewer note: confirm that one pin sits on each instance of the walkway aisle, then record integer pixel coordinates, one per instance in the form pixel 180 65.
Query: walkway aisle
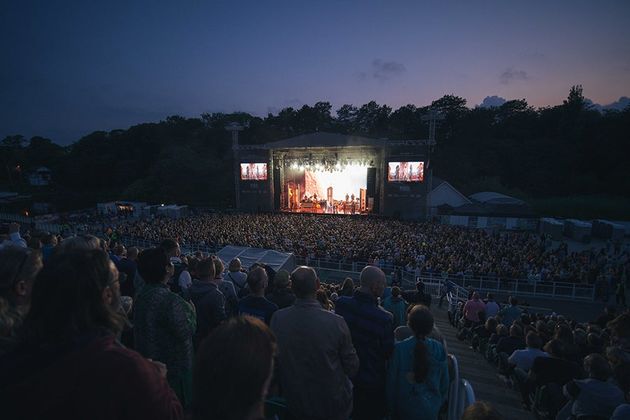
pixel 482 376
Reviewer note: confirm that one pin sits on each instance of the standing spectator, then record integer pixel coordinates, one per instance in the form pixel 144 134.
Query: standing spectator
pixel 347 287
pixel 233 371
pixel 472 308
pixel 316 356
pixel 225 287
pixel 69 364
pixel 255 304
pixel 282 294
pixel 181 279
pixel 418 297
pixel 417 383
pixel 237 276
pixel 492 308
pixel 128 266
pixel 18 268
pixel 373 338
pixel 397 306
pixel 620 293
pixel 208 300
pixel 510 313
pixel 164 323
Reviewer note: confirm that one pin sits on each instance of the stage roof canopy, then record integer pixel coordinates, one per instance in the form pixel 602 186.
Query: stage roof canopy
pixel 248 256
pixel 321 139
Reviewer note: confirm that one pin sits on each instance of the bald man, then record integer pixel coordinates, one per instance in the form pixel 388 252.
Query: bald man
pixel 373 336
pixel 315 354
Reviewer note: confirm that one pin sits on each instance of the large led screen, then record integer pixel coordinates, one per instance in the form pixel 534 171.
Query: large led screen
pixel 405 171
pixel 253 171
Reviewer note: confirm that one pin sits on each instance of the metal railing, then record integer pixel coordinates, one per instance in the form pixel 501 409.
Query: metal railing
pixel 492 284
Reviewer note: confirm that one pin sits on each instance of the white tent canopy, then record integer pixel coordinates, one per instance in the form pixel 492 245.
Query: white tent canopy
pixel 249 256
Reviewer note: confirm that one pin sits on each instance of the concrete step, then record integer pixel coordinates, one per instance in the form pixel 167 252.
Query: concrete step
pixel 482 375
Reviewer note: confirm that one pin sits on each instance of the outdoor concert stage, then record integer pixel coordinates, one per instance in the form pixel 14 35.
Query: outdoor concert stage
pixel 326 173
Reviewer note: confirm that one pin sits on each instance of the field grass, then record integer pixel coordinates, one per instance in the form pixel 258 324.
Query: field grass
pixel 583 207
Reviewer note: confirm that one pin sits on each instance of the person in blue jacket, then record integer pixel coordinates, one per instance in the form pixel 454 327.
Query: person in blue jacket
pixel 417 382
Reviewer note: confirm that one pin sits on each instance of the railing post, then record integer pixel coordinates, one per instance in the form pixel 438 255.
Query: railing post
pixel 573 292
pixel 553 291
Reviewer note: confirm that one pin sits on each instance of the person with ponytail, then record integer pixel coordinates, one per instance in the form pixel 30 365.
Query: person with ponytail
pixel 417 382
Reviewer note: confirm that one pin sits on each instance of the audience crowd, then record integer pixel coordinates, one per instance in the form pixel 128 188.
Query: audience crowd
pixel 419 247
pixel 92 329
pixel 563 369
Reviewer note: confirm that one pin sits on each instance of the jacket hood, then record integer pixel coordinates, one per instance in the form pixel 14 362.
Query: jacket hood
pixel 201 287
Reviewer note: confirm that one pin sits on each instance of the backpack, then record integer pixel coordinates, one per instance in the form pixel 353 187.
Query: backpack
pixel 173 283
pixel 241 289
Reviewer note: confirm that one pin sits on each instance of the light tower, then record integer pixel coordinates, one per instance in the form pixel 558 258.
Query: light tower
pixel 234 128
pixel 433 116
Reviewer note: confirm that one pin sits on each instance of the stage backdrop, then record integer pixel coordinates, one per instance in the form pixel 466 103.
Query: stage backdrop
pixel 348 181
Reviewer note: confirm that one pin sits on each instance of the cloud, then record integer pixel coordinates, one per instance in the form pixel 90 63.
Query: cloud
pixel 385 70
pixel 619 105
pixel 513 75
pixel 492 101
pixel 534 56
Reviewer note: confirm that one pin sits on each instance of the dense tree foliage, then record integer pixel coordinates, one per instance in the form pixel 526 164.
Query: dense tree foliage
pixel 565 150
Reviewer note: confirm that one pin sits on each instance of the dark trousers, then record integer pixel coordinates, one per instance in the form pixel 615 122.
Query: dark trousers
pixel 369 404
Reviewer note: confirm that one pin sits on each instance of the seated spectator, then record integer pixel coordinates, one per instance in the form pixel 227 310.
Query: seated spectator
pixel 620 332
pixel 594 396
pixel 506 346
pixel 13 238
pixel 225 287
pixel 502 331
pixel 553 368
pixel 492 308
pixel 316 357
pixel 233 371
pixel 255 304
pixel 164 323
pixel 571 351
pixel 511 343
pixel 397 306
pixel 69 364
pixel 482 333
pixel 524 359
pixel 18 268
pixel 481 410
pixel 510 313
pixel 208 300
pixel 282 294
pixel 610 312
pixel 620 365
pixel 237 276
pixel 417 379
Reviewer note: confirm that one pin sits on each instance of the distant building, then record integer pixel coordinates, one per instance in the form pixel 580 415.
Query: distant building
pixel 40 177
pixel 490 210
pixel 443 193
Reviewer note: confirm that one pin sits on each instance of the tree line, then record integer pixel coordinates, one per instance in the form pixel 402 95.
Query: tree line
pixel 566 150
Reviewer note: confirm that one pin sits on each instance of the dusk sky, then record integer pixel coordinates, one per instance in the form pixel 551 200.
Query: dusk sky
pixel 70 68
